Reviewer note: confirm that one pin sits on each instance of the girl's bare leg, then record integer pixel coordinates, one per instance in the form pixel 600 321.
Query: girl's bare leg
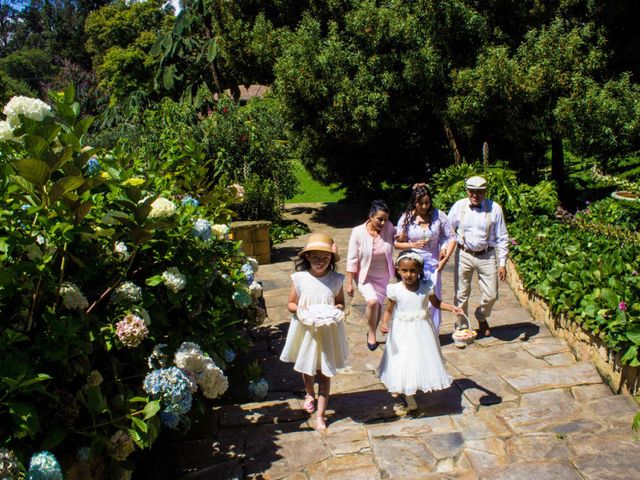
pixel 309 381
pixel 372 314
pixel 324 386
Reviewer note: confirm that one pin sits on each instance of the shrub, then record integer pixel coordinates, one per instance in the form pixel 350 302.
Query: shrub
pixel 585 276
pixel 249 145
pixel 232 144
pixel 517 199
pixel 100 267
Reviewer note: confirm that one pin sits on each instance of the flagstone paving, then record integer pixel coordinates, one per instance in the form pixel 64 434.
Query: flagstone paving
pixel 521 406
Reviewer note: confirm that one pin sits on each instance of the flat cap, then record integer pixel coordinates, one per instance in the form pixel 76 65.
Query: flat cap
pixel 476 183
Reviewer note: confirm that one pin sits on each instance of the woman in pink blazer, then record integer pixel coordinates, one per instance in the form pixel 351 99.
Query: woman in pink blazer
pixel 370 261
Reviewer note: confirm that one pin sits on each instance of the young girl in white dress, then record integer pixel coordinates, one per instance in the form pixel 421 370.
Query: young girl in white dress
pixel 316 341
pixel 412 358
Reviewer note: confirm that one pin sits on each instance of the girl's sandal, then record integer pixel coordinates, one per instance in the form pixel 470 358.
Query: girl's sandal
pixel 309 405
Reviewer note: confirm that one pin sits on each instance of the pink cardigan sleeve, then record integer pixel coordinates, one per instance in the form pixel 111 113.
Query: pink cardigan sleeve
pixel 353 253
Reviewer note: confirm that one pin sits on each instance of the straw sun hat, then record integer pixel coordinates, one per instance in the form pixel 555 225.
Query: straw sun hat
pixel 321 242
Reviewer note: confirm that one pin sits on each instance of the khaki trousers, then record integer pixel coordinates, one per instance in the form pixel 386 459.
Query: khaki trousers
pixel 487 267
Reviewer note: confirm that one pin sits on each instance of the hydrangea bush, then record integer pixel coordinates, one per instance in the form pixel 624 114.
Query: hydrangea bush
pixel 103 273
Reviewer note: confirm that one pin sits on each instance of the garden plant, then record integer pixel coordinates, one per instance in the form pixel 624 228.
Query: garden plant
pixel 123 298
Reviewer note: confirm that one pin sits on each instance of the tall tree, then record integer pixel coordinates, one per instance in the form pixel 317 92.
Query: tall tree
pixel 55 26
pixel 519 93
pixel 120 37
pixel 366 95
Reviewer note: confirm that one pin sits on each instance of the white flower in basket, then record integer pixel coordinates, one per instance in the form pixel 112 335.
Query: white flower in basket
pixel 464 336
pixel 320 315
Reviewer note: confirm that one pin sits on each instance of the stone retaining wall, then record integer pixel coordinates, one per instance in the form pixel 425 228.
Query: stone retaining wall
pixel 586 346
pixel 255 239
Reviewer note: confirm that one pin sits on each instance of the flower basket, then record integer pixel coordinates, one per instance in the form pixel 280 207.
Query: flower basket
pixel 464 336
pixel 320 315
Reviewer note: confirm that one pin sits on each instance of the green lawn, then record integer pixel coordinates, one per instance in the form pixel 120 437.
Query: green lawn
pixel 312 191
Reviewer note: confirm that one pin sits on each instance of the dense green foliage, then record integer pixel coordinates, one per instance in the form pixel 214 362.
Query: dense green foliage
pixel 401 82
pixel 589 277
pixel 285 230
pixel 518 200
pixel 119 40
pixel 232 144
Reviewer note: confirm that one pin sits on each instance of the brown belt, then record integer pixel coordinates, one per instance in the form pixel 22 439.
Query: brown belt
pixel 471 252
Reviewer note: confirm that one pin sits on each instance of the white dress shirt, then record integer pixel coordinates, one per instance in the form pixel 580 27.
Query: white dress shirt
pixel 470 225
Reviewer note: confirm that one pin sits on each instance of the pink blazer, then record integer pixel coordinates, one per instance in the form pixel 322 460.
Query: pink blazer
pixel 361 249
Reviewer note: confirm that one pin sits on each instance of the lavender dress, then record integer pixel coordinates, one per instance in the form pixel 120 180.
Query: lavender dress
pixel 438 234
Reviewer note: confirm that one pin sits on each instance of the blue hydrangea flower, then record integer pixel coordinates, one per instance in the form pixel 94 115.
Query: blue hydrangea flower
pixel 229 355
pixel 169 419
pixel 44 466
pixel 92 166
pixel 241 298
pixel 172 387
pixel 189 200
pixel 202 229
pixel 247 269
pixel 259 389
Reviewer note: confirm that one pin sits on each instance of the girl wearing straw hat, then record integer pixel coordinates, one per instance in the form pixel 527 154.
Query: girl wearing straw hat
pixel 316 342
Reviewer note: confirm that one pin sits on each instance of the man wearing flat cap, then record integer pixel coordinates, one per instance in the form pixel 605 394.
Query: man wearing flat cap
pixel 483 245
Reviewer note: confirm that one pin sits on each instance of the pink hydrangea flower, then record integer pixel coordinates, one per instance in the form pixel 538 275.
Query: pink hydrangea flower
pixel 131 330
pixel 622 306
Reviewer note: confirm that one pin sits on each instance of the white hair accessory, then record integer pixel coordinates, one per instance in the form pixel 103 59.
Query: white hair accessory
pixel 410 254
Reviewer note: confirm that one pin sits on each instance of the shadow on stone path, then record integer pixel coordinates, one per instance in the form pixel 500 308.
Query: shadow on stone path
pixel 517 409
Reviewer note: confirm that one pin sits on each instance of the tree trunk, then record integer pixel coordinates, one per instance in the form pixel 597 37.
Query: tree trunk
pixel 457 158
pixel 216 80
pixel 558 172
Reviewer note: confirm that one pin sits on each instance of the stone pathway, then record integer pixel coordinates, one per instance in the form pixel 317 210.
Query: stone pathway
pixel 518 409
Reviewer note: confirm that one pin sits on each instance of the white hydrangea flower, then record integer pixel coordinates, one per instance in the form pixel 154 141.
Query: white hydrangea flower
pixel 254 264
pixel 220 230
pixel 127 292
pixel 162 208
pixel 255 289
pixel 9 468
pixel 6 132
pixel 189 356
pixel 212 381
pixel 72 297
pixel 173 279
pixel 121 251
pixel 29 107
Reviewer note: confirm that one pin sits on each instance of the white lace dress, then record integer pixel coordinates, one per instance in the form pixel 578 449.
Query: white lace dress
pixel 412 358
pixel 310 348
